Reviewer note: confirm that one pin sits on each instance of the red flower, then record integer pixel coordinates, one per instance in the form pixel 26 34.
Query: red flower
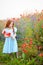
pixel 24 45
pixel 41 54
pixel 7 34
pixel 31 42
pixel 42 26
pixel 25 51
pixel 31 39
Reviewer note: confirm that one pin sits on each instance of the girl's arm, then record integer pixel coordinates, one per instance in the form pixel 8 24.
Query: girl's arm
pixel 13 35
pixel 5 34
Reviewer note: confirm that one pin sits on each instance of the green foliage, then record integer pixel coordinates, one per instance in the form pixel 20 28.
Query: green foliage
pixel 31 51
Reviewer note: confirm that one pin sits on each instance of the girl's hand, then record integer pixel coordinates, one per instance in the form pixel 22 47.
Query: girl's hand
pixel 5 36
pixel 13 36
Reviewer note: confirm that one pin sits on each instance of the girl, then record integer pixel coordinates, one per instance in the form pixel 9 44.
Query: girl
pixel 9 33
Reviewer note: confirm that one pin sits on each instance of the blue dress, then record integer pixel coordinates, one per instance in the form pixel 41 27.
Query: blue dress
pixel 10 45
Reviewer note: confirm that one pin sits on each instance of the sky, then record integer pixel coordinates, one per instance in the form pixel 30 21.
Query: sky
pixel 13 8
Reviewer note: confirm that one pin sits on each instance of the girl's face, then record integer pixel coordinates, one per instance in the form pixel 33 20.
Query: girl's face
pixel 11 25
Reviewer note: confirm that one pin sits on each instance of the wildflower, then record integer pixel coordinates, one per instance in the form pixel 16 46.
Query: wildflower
pixel 24 45
pixel 25 51
pixel 7 34
pixel 31 39
pixel 42 26
pixel 31 42
pixel 41 54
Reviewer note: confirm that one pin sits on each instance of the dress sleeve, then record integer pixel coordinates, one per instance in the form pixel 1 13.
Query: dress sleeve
pixel 3 31
pixel 15 29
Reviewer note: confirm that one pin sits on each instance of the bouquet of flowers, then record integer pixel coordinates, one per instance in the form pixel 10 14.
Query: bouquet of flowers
pixel 6 34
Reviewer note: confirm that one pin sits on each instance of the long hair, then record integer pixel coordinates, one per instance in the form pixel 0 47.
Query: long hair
pixel 8 23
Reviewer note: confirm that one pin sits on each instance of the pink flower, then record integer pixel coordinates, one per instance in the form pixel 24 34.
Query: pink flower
pixel 31 42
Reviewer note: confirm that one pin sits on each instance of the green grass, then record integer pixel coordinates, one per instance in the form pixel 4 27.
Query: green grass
pixel 6 59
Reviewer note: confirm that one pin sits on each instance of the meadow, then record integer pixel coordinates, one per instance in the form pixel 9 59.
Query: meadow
pixel 29 38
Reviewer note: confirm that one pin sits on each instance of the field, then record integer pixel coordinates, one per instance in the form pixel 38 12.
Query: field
pixel 29 38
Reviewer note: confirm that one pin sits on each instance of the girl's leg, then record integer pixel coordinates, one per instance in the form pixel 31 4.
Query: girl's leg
pixel 17 54
pixel 11 56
